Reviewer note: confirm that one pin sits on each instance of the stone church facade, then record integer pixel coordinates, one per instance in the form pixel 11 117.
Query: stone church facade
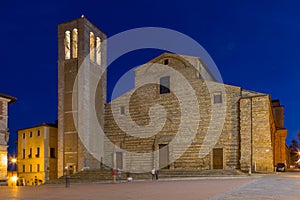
pixel 253 133
pixel 251 136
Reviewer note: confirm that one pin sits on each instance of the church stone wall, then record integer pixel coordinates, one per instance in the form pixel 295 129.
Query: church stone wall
pixel 256 130
pixel 262 133
pixel 148 95
pixel 245 133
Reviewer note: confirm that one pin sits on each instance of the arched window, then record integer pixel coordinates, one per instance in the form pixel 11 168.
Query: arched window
pixel 75 43
pixel 67 45
pixel 98 49
pixel 92 46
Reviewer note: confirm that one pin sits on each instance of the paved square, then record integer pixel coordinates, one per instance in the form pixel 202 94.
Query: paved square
pixel 281 186
pixel 147 190
pixel 278 187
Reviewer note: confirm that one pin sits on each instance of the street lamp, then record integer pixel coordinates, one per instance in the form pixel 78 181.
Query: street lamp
pixel 67 177
pixel 13 161
pixel 14 178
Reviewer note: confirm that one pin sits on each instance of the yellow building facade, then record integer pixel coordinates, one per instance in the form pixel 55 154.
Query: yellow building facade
pixel 37 154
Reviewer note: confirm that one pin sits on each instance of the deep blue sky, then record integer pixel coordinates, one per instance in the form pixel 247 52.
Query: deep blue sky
pixel 255 45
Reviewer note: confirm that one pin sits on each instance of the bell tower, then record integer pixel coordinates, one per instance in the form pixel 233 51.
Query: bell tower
pixel 79 41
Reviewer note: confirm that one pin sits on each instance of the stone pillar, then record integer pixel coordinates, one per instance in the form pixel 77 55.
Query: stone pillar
pixel 245 133
pixel 256 130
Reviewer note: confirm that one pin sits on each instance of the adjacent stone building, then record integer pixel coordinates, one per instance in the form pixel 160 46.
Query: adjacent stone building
pixel 37 154
pixel 5 100
pixel 280 135
pixel 188 121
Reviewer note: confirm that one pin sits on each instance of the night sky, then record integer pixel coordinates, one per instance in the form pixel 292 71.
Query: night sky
pixel 254 45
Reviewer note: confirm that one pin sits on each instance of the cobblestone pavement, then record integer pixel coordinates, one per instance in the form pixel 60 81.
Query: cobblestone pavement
pixel 146 190
pixel 280 186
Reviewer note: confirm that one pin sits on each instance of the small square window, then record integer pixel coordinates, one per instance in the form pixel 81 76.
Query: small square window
pixel 217 98
pixel 122 110
pixel 166 61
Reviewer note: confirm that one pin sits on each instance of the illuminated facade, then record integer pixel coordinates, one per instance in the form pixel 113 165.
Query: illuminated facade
pixel 252 138
pixel 5 100
pixel 78 39
pixel 37 154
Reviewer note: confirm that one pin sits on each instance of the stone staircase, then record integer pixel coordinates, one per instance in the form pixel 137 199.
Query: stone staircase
pixel 168 174
pixel 3 183
pixel 85 176
pixel 104 175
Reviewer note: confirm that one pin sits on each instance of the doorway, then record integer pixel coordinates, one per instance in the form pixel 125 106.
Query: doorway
pixel 163 156
pixel 119 160
pixel 218 158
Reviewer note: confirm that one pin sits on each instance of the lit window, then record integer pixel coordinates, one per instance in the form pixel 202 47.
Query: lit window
pixel 3 161
pixel 67 45
pixel 74 43
pixel 217 98
pixel 98 49
pixel 92 46
pixel 164 86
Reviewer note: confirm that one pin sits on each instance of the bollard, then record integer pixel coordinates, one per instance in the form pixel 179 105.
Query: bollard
pixel 67 181
pixel 156 174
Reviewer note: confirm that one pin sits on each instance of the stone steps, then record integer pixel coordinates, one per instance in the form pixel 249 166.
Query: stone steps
pixel 197 173
pixel 105 175
pixel 3 183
